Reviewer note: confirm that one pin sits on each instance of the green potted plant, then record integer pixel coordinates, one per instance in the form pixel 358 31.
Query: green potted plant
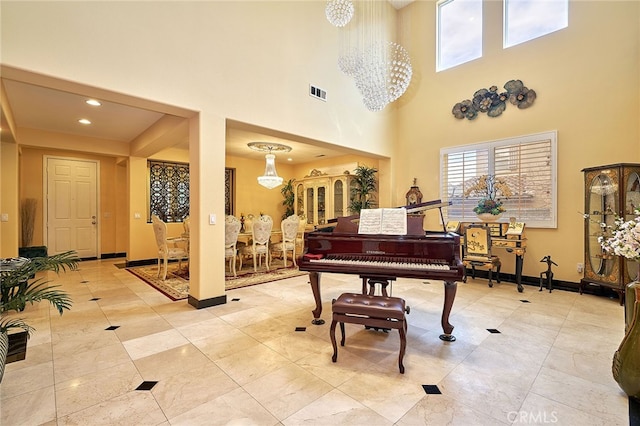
pixel 20 286
pixel 363 189
pixel 289 198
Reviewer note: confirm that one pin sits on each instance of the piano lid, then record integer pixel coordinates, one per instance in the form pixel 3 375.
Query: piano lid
pixel 349 224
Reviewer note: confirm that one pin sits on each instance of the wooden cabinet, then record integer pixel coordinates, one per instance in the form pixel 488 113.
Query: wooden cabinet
pixel 610 191
pixel 320 197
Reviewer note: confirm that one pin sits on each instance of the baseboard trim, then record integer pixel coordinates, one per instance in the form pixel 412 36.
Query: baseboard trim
pixel 207 303
pixel 112 255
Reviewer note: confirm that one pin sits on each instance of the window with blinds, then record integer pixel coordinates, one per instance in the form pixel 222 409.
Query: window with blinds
pixel 527 164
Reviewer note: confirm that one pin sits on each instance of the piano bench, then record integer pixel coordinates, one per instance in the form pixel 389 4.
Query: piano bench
pixel 371 311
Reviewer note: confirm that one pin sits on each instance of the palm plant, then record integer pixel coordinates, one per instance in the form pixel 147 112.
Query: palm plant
pixel 289 198
pixel 17 291
pixel 363 189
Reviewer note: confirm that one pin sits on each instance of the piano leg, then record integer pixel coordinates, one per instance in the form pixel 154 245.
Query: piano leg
pixel 450 288
pixel 314 280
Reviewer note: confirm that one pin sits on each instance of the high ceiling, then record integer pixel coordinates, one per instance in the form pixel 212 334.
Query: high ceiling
pixel 50 109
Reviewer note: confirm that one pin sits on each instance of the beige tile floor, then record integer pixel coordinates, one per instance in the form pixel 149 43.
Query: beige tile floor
pixel 243 363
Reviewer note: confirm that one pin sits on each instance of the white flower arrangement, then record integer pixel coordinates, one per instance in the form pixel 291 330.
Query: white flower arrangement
pixel 623 237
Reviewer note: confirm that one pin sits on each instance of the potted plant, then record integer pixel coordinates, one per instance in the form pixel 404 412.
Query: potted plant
pixel 289 198
pixel 489 189
pixel 363 189
pixel 20 286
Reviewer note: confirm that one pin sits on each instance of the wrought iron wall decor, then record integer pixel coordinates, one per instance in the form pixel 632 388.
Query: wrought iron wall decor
pixel 229 191
pixel 493 103
pixel 168 190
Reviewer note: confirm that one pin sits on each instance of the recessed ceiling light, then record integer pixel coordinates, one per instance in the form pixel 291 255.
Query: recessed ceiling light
pixel 93 102
pixel 289 159
pixel 84 121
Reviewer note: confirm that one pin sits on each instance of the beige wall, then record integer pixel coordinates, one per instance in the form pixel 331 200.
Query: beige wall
pixel 9 231
pixel 257 72
pixel 587 79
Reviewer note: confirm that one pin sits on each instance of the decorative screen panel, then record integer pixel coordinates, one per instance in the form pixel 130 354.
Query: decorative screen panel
pixel 229 191
pixel 169 190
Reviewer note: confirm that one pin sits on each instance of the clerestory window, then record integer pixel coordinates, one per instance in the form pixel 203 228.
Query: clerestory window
pixel 525 20
pixel 458 32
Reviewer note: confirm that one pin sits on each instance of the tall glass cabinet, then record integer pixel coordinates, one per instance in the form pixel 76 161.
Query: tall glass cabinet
pixel 610 191
pixel 320 197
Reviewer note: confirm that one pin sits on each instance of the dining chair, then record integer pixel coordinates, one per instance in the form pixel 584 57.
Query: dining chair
pixel 261 233
pixel 168 248
pixel 289 228
pixel 232 227
pixel 302 226
pixel 186 224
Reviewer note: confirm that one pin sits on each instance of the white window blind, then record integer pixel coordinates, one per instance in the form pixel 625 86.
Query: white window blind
pixel 527 164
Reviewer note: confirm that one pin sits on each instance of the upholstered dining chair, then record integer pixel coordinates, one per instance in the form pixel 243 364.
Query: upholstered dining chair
pixel 168 247
pixel 260 234
pixel 231 230
pixel 289 228
pixel 302 226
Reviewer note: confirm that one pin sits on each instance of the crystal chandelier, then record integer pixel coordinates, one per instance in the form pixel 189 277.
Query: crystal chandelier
pixel 339 12
pixel 381 69
pixel 270 179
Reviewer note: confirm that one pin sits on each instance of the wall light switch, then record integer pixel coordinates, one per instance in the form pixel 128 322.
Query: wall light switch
pixel 212 219
pixel 136 215
pixel 4 217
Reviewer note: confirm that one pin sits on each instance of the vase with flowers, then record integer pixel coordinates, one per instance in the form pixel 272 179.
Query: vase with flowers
pixel 623 239
pixel 490 191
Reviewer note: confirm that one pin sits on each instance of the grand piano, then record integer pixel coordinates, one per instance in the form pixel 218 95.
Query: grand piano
pixel 379 258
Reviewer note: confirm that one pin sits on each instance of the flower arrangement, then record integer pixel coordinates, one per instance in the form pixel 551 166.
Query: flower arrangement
pixel 489 188
pixel 623 237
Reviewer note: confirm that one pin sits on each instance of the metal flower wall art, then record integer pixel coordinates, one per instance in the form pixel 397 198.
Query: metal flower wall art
pixel 493 103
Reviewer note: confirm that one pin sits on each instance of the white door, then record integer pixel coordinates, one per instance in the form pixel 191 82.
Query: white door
pixel 71 198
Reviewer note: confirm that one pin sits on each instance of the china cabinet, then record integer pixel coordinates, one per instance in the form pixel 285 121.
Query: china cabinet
pixel 320 197
pixel 610 191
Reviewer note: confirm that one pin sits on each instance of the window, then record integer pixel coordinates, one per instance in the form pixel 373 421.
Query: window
pixel 459 32
pixel 525 20
pixel 527 164
pixel 168 190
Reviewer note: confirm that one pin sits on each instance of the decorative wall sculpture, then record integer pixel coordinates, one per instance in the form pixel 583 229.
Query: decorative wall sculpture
pixel 493 103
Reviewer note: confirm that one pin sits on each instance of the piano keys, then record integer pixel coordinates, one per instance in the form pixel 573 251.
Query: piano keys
pixel 419 254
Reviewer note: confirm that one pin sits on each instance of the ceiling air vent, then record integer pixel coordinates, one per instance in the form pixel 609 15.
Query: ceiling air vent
pixel 317 92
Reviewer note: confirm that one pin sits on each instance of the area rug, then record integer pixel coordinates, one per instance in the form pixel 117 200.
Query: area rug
pixel 246 277
pixel 175 287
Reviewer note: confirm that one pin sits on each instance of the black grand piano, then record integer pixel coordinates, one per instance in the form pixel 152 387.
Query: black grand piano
pixel 377 258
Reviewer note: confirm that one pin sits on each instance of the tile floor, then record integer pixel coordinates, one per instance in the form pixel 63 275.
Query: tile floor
pixel 243 363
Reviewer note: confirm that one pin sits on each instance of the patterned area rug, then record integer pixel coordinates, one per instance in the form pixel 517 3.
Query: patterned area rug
pixel 246 277
pixel 176 286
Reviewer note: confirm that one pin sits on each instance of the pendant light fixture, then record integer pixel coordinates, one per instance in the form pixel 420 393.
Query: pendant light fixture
pixel 270 179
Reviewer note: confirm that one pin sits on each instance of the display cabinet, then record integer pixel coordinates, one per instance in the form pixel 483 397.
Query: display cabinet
pixel 610 191
pixel 320 197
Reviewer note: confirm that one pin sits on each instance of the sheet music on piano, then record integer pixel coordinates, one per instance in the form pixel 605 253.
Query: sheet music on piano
pixel 385 221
